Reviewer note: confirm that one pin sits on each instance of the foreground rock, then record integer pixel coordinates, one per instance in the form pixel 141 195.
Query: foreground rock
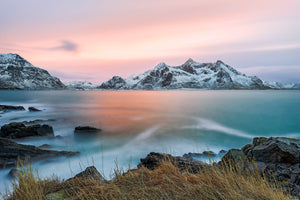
pixel 153 160
pixel 10 108
pixel 10 151
pixel 16 130
pixel 86 129
pixel 276 157
pixel 89 173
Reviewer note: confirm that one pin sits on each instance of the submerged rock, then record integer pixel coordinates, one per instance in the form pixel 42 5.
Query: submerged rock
pixel 86 129
pixel 19 130
pixel 11 151
pixel 33 109
pixel 11 108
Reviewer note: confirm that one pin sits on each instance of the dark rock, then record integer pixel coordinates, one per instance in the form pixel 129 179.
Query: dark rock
pixel 90 173
pixel 43 146
pixel 204 154
pixel 11 151
pixel 86 129
pixel 222 151
pixel 19 130
pixel 33 109
pixel 11 108
pixel 13 173
pixel 153 161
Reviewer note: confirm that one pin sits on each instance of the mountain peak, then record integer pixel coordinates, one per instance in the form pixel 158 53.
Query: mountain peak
pixel 190 60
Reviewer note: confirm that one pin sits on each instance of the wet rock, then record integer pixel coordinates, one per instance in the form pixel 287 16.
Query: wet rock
pixel 90 173
pixel 86 129
pixel 33 109
pixel 153 161
pixel 45 146
pixel 11 151
pixel 19 130
pixel 10 108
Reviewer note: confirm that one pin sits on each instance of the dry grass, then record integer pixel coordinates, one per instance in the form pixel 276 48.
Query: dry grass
pixel 166 182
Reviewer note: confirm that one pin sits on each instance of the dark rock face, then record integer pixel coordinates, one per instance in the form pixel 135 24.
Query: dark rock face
pixel 90 173
pixel 86 129
pixel 33 109
pixel 19 130
pixel 10 108
pixel 10 151
pixel 277 157
pixel 153 160
pixel 18 73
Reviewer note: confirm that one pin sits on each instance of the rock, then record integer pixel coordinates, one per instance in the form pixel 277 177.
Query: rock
pixel 86 129
pixel 10 151
pixel 13 173
pixel 276 157
pixel 153 160
pixel 19 130
pixel 44 146
pixel 89 173
pixel 56 195
pixel 33 109
pixel 10 108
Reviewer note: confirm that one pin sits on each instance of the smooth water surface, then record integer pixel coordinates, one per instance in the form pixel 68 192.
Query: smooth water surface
pixel 135 123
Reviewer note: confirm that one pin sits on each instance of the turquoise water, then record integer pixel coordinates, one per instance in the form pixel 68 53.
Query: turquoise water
pixel 135 123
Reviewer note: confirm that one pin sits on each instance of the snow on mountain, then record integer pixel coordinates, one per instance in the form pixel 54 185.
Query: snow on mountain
pixel 277 85
pixel 80 85
pixel 189 75
pixel 18 73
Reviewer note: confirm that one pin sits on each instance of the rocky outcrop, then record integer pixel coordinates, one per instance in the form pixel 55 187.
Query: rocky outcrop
pixel 276 157
pixel 89 173
pixel 16 130
pixel 6 108
pixel 18 73
pixel 11 151
pixel 191 74
pixel 86 129
pixel 153 161
pixel 33 109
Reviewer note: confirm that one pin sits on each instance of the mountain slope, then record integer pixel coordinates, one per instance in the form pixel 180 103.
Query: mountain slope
pixel 18 73
pixel 80 85
pixel 189 75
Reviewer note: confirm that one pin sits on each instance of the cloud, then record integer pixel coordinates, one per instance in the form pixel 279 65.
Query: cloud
pixel 66 45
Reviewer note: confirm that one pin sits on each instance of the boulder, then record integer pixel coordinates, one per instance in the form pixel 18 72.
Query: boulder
pixel 10 108
pixel 33 109
pixel 19 130
pixel 153 161
pixel 11 151
pixel 86 129
pixel 89 173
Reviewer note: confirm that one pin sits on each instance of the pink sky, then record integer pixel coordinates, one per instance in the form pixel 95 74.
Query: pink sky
pixel 94 40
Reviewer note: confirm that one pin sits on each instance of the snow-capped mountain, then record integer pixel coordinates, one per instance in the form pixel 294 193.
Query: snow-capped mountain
pixel 17 73
pixel 189 75
pixel 80 85
pixel 277 85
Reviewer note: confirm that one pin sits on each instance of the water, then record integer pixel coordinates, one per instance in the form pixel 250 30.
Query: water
pixel 135 123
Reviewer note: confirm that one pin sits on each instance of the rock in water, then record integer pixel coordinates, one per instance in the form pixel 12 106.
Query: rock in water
pixel 33 109
pixel 19 130
pixel 17 73
pixel 10 108
pixel 11 151
pixel 86 129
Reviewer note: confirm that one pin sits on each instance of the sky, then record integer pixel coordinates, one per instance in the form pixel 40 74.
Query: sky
pixel 94 40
